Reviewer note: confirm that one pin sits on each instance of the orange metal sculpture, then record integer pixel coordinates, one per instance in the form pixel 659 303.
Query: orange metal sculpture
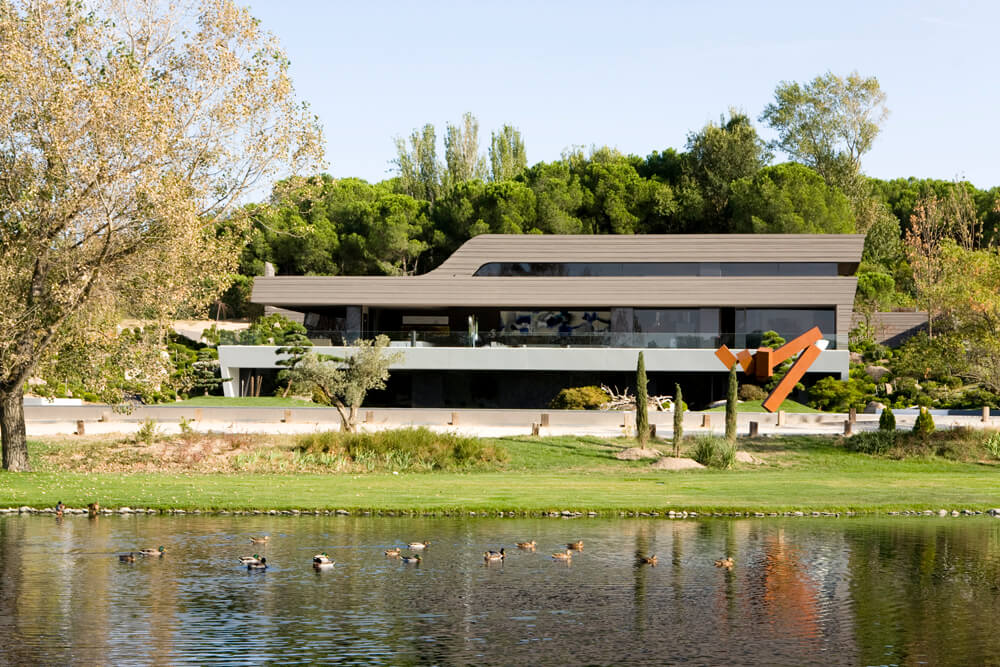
pixel 761 363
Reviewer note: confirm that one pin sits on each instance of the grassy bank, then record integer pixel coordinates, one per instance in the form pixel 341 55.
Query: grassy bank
pixel 757 406
pixel 536 475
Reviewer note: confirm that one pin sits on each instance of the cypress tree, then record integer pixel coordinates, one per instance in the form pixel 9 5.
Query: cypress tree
pixel 678 418
pixel 924 424
pixel 887 420
pixel 641 403
pixel 731 406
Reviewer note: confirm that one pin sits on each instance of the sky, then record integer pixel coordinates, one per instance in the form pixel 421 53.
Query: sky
pixel 639 76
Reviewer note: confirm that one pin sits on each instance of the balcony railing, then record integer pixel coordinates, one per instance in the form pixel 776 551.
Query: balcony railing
pixel 563 339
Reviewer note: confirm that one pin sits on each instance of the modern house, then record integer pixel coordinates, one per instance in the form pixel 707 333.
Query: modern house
pixel 507 321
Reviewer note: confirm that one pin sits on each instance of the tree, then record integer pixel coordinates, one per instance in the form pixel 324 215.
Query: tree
pixel 875 289
pixel 641 402
pixel 678 418
pixel 887 420
pixel 720 154
pixel 789 199
pixel 828 124
pixel 205 371
pixel 731 390
pixel 294 348
pixel 507 156
pixel 418 166
pixel 132 129
pixel 461 151
pixel 344 383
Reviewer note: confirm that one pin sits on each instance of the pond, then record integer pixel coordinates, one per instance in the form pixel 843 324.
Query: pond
pixel 800 591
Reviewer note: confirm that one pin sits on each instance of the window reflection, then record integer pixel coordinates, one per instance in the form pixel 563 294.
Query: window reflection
pixel 637 269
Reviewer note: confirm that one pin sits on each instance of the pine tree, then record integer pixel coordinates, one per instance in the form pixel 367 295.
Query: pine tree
pixel 731 406
pixel 205 371
pixel 678 418
pixel 641 403
pixel 924 425
pixel 887 420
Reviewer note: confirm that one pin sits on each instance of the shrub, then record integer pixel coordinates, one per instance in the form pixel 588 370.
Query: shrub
pixel 148 432
pixel 992 445
pixel 714 452
pixel 872 442
pixel 924 425
pixel 751 392
pixel 887 420
pixel 580 398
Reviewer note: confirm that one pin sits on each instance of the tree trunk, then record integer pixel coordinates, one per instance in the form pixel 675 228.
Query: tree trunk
pixel 15 446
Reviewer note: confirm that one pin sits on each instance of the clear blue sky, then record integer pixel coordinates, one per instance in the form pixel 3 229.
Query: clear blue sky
pixel 639 76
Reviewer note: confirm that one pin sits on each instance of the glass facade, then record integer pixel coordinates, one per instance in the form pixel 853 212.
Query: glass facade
pixel 637 269
pixel 751 323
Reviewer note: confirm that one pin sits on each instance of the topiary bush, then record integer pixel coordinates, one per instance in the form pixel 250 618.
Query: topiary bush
pixel 887 420
pixel 751 392
pixel 924 425
pixel 580 398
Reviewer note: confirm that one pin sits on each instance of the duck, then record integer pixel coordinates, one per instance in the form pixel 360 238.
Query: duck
pixel 491 555
pixel 410 559
pixel 647 560
pixel 259 565
pixel 127 558
pixel 393 552
pixel 322 561
pixel 575 546
pixel 726 562
pixel 563 555
pixel 260 540
pixel 152 552
pixel 416 546
pixel 93 509
pixel 530 546
pixel 60 508
pixel 246 560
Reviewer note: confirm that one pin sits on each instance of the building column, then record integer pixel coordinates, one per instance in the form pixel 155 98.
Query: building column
pixel 231 387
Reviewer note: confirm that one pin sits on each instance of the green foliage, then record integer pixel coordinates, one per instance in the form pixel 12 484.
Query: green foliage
pixel 206 377
pixel 832 395
pixel 678 418
pixel 579 398
pixel 714 452
pixel 413 449
pixel 507 155
pixel 875 443
pixel 185 426
pixel 924 424
pixel 148 432
pixel 641 402
pixel 789 198
pixel 887 420
pixel 751 392
pixel 992 445
pixel 731 406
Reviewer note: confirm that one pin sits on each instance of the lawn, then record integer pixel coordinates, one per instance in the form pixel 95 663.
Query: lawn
pixel 756 406
pixel 246 401
pixel 544 474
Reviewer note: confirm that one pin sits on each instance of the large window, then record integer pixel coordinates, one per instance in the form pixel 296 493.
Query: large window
pixel 751 323
pixel 619 269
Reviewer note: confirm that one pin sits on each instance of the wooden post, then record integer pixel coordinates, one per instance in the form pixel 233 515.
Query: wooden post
pixel 369 416
pixel 454 419
pixel 986 413
pixel 105 417
pixel 79 427
pixel 706 421
pixel 847 427
pixel 287 417
pixel 781 417
pixel 535 428
pixel 754 429
pixel 852 415
pixel 545 419
pixel 197 414
pixel 652 430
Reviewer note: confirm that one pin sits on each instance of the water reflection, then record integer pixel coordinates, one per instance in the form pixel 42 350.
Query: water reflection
pixel 800 591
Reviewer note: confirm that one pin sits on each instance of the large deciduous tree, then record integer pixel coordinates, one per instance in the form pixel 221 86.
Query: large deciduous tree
pixel 461 151
pixel 129 129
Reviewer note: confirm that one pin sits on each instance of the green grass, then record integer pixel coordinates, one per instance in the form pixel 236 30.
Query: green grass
pixel 755 406
pixel 544 474
pixel 246 401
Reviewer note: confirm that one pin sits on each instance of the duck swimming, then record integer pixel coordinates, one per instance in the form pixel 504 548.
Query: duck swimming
pixel 152 552
pixel 575 546
pixel 410 559
pixel 260 540
pixel 416 546
pixel 647 560
pixel 492 556
pixel 259 565
pixel 563 555
pixel 127 558
pixel 530 546
pixel 726 562
pixel 392 553
pixel 246 560
pixel 322 561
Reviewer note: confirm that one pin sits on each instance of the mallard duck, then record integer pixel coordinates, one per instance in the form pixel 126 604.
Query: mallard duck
pixel 93 509
pixel 647 560
pixel 392 553
pixel 726 562
pixel 260 540
pixel 530 546
pixel 410 559
pixel 494 555
pixel 246 560
pixel 563 555
pixel 417 546
pixel 152 552
pixel 322 561
pixel 259 565
pixel 59 508
pixel 575 546
pixel 127 558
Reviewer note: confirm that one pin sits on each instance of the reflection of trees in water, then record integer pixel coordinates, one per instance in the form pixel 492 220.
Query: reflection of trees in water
pixel 926 591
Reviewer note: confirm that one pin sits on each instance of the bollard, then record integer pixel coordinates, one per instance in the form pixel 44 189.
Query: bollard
pixel 197 414
pixel 369 416
pixel 986 413
pixel 454 419
pixel 781 417
pixel 535 428
pixel 545 419
pixel 652 430
pixel 105 417
pixel 754 429
pixel 852 415
pixel 847 427
pixel 706 421
pixel 287 417
pixel 79 427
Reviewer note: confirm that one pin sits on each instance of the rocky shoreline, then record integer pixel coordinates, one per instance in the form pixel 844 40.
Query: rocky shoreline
pixel 563 514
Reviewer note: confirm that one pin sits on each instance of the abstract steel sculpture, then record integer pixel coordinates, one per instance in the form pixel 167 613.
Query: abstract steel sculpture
pixel 762 362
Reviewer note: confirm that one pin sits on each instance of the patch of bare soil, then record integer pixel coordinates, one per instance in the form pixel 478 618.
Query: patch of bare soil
pixel 676 463
pixel 201 453
pixel 638 453
pixel 747 457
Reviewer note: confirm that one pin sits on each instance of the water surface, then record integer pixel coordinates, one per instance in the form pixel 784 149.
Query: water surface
pixel 802 591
